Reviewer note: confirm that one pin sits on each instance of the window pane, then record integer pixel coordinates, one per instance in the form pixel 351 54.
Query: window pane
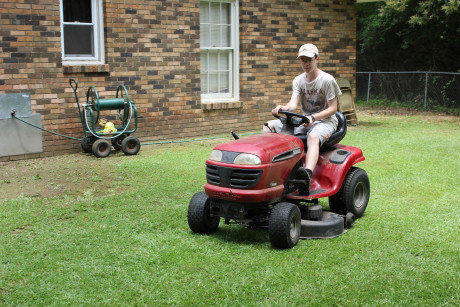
pixel 204 63
pixel 225 36
pixel 204 83
pixel 225 13
pixel 223 61
pixel 215 36
pixel 216 72
pixel 215 13
pixel 224 82
pixel 78 40
pixel 213 83
pixel 77 10
pixel 204 12
pixel 205 40
pixel 213 64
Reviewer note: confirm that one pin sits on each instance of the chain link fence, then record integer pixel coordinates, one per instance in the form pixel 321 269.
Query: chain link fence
pixel 421 90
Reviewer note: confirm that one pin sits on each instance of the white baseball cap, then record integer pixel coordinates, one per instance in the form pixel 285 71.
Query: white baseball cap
pixel 308 50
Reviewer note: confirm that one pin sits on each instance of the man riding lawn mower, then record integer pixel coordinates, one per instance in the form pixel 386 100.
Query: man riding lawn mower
pixel 275 179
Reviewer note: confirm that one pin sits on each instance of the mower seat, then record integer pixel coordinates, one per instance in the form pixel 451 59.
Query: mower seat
pixel 336 137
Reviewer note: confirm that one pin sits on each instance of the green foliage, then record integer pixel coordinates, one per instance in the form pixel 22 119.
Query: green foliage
pixel 134 248
pixel 409 35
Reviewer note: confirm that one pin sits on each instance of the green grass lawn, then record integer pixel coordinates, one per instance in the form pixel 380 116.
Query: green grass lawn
pixel 132 246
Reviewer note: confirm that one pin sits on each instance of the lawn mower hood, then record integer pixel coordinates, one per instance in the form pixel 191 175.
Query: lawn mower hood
pixel 253 168
pixel 270 147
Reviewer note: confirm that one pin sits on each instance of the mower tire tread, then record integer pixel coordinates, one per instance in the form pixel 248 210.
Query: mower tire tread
pixel 198 216
pixel 284 225
pixel 354 194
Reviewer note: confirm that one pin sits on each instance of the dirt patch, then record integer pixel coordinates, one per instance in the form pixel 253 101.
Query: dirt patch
pixel 72 174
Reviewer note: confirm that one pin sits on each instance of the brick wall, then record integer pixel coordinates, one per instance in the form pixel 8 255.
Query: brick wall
pixel 153 48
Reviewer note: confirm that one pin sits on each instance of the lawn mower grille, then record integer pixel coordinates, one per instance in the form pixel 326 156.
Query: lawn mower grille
pixel 233 177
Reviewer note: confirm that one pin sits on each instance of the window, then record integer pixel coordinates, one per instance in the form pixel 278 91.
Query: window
pixel 219 50
pixel 82 32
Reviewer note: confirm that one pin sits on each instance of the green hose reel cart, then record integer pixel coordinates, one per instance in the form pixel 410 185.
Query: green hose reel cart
pixel 98 141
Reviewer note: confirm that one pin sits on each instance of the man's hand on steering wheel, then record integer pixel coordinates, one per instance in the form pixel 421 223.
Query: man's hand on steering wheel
pixel 292 119
pixel 311 119
pixel 276 110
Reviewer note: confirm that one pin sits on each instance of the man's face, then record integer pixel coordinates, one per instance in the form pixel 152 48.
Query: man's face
pixel 309 64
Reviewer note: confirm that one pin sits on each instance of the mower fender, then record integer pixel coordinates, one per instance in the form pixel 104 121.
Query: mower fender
pixel 334 166
pixel 331 169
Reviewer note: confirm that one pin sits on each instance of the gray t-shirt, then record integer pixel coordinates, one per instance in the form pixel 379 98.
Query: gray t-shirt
pixel 315 95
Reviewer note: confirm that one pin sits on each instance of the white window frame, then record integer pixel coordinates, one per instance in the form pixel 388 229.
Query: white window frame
pixel 233 94
pixel 98 37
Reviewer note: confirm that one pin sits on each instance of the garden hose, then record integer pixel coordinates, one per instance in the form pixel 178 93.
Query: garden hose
pixel 149 143
pixel 13 114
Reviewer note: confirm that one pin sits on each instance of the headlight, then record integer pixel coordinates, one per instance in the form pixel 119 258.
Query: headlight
pixel 247 159
pixel 216 155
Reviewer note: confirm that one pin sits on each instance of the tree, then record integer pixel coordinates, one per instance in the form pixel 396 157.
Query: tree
pixel 405 35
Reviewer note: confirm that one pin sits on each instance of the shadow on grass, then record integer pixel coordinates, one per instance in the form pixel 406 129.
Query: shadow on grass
pixel 242 235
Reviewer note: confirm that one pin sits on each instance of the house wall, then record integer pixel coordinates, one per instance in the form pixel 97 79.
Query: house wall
pixel 153 48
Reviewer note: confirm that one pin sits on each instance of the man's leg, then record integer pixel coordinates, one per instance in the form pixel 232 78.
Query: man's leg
pixel 312 152
pixel 317 135
pixel 305 173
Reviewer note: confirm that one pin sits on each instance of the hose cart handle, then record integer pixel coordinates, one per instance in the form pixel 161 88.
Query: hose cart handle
pixel 72 85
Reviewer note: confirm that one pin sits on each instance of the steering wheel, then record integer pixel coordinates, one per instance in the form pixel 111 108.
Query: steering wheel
pixel 292 119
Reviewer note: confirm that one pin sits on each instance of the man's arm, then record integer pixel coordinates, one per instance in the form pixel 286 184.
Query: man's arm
pixel 328 112
pixel 290 106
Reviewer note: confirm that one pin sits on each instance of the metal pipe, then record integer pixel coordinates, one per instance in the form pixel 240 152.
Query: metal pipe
pixel 426 89
pixel 368 87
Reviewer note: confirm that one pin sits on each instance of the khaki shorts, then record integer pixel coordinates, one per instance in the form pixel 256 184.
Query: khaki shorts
pixel 323 128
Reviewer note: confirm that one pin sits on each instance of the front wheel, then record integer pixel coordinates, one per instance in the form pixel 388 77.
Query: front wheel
pixel 284 225
pixel 199 215
pixel 130 145
pixel 353 195
pixel 101 148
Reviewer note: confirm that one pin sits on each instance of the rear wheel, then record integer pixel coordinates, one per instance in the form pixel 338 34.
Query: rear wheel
pixel 199 215
pixel 101 148
pixel 116 142
pixel 353 195
pixel 130 145
pixel 86 145
pixel 284 225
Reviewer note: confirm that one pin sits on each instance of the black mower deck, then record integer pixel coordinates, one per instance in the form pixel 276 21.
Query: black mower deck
pixel 319 224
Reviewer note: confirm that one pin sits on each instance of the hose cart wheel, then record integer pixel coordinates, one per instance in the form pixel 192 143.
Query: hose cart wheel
pixel 101 148
pixel 130 145
pixel 116 142
pixel 86 146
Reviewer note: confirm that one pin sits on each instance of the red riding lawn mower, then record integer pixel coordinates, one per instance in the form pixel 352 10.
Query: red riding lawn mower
pixel 252 181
